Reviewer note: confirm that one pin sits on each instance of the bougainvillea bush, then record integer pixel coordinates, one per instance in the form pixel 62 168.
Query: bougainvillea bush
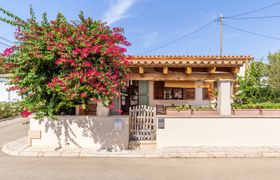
pixel 58 64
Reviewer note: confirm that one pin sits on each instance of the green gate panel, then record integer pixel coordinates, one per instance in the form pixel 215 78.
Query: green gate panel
pixel 143 93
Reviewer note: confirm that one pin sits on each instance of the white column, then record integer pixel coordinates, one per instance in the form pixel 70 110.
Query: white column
pixel 198 97
pixel 224 97
pixel 102 111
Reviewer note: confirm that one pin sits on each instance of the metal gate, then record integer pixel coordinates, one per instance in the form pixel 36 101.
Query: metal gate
pixel 142 123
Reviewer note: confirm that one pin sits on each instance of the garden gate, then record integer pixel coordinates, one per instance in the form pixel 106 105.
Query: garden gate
pixel 142 123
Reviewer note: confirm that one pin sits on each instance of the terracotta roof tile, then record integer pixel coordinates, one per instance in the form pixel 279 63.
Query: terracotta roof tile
pixel 202 57
pixel 187 59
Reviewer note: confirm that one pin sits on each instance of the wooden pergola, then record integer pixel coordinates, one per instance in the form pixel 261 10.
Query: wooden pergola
pixel 192 71
pixel 190 68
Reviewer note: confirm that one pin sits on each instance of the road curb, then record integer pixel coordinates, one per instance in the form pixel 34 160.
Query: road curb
pixel 19 148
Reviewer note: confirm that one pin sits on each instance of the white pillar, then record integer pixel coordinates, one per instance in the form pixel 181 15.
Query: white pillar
pixel 224 97
pixel 198 97
pixel 102 111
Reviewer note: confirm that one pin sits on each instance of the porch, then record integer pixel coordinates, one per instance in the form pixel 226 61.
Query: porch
pixel 164 81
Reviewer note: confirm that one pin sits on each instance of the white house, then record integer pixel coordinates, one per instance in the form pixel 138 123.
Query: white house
pixel 5 95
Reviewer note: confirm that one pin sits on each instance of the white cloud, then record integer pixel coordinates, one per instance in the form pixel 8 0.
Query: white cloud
pixel 117 10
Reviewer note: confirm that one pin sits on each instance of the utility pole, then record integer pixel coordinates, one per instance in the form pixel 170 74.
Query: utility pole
pixel 221 34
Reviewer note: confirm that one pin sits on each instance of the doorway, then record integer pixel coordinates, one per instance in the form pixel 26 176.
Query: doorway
pixel 130 96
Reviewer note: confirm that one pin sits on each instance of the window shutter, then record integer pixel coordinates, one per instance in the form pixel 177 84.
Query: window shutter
pixel 158 89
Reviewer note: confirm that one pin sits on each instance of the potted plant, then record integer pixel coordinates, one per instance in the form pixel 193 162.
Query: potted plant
pixel 246 110
pixel 183 110
pixel 270 109
pixel 204 111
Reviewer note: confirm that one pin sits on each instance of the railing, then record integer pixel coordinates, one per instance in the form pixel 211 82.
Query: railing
pixel 142 123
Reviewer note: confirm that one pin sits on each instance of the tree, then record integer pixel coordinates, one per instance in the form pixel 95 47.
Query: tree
pixel 254 87
pixel 274 70
pixel 58 64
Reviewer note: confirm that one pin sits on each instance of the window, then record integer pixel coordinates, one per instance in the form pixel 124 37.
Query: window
pixel 205 94
pixel 158 90
pixel 189 93
pixel 161 92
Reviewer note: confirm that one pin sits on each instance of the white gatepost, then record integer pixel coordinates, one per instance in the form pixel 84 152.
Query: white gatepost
pixel 102 111
pixel 224 97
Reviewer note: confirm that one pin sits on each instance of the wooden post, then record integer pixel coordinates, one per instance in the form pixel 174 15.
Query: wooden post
pixel 165 70
pixel 188 70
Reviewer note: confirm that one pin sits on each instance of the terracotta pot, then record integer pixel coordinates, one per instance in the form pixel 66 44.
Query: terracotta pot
pixel 183 113
pixel 270 112
pixel 205 113
pixel 246 112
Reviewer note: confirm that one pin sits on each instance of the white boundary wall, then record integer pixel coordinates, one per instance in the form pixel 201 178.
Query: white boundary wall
pixel 219 131
pixel 80 131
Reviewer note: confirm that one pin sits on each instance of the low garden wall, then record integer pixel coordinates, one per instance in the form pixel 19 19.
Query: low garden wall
pixel 80 131
pixel 218 131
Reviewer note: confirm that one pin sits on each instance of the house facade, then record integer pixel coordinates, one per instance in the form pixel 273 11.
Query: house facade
pixel 177 80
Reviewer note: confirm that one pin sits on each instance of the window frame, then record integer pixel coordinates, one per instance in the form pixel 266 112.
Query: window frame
pixel 157 88
pixel 194 93
pixel 203 94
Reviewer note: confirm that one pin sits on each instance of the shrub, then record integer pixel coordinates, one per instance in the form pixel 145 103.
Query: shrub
pixel 264 105
pixel 180 108
pixel 8 109
pixel 58 64
pixel 201 108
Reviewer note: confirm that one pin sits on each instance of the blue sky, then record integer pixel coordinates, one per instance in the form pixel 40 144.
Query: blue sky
pixel 151 23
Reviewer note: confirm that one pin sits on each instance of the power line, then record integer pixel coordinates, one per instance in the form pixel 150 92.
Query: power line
pixel 256 17
pixel 5 44
pixel 256 10
pixel 180 38
pixel 7 40
pixel 253 33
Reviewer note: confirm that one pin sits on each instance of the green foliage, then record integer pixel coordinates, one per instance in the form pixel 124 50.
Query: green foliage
pixel 274 70
pixel 58 64
pixel 264 105
pixel 254 87
pixel 9 109
pixel 15 20
pixel 201 108
pixel 180 108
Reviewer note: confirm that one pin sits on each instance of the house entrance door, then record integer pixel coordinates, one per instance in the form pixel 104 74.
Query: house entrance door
pixel 130 96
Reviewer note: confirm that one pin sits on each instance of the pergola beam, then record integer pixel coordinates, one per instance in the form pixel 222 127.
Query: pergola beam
pixel 165 70
pixel 235 70
pixel 211 70
pixel 188 70
pixel 141 70
pixel 181 76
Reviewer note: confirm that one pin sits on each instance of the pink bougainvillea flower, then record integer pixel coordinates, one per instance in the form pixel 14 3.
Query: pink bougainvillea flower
pixel 8 52
pixel 25 113
pixel 81 61
pixel 83 95
pixel 111 106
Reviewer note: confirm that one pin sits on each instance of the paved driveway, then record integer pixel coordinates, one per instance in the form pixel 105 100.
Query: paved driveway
pixel 129 168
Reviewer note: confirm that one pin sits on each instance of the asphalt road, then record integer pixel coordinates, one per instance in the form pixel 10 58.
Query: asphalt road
pixel 30 168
